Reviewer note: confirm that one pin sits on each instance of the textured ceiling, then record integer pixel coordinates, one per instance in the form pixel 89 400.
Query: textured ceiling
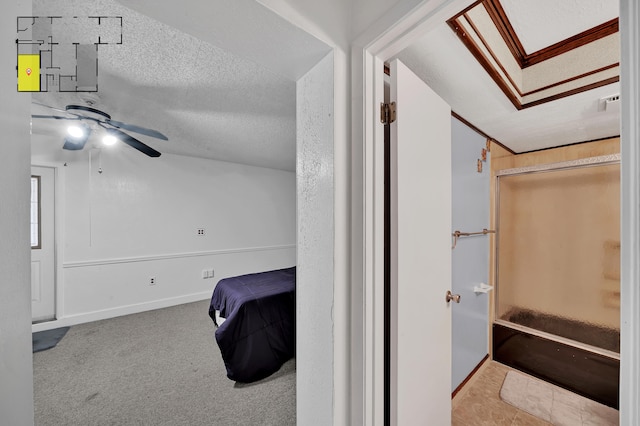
pixel 541 23
pixel 209 101
pixel 218 77
pixel 441 60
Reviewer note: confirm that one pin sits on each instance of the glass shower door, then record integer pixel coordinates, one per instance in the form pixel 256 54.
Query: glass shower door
pixel 558 253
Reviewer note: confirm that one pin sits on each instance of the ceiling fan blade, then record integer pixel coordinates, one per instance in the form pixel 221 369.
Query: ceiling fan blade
pixel 76 144
pixel 134 143
pixel 138 129
pixel 57 117
pixel 48 106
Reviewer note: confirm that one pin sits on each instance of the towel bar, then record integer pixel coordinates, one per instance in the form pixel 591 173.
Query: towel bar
pixel 458 234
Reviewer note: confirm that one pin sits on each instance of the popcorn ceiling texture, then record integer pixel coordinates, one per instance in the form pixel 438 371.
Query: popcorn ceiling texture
pixel 592 56
pixel 537 28
pixel 490 33
pixel 210 102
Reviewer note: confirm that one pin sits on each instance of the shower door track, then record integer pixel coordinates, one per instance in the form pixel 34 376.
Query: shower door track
pixel 601 160
pixel 559 339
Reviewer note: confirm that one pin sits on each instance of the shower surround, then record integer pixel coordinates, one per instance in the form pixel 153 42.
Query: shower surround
pixel 556 313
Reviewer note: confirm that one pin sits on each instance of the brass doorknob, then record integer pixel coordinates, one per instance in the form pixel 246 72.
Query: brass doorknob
pixel 454 297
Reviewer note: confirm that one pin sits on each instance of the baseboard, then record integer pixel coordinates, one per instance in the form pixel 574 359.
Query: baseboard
pixel 469 377
pixel 119 311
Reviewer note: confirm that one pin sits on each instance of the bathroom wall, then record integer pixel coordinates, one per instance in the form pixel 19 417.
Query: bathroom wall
pixel 470 258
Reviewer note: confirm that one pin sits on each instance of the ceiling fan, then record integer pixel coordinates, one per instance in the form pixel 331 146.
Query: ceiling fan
pixel 89 119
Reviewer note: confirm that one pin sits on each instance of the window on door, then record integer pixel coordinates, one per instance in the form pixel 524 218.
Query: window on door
pixel 35 212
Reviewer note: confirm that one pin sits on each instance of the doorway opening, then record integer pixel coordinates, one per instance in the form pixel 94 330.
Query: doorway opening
pixel 385 48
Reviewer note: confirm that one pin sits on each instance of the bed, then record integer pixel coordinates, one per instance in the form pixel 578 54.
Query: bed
pixel 255 319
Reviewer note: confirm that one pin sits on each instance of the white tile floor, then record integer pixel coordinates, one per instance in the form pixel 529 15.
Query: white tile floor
pixel 553 404
pixel 480 402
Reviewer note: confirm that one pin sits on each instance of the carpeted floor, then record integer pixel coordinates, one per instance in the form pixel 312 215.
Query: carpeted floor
pixel 160 367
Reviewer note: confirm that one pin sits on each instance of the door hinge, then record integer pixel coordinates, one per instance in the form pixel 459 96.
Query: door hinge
pixel 387 113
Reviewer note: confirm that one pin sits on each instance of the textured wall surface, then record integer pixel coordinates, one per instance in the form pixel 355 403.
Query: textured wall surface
pixel 315 277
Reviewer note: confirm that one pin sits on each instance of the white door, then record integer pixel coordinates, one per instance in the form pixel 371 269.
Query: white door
pixel 420 348
pixel 42 244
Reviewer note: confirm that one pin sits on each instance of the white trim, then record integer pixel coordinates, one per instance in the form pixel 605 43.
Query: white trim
pixel 113 261
pixel 58 231
pixel 70 320
pixel 375 50
pixel 630 209
pixel 59 213
pixel 374 254
pixel 59 238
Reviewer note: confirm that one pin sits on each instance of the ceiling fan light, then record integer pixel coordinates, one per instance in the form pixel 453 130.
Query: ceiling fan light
pixel 109 140
pixel 76 131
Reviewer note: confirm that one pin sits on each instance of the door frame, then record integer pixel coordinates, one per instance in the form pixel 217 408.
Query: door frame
pixel 630 211
pixel 369 52
pixel 58 214
pixel 44 253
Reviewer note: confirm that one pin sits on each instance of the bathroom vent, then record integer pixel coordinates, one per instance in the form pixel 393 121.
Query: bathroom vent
pixel 610 103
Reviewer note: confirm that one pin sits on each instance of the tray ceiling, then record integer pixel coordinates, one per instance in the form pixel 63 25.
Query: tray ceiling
pixel 530 19
pixel 538 82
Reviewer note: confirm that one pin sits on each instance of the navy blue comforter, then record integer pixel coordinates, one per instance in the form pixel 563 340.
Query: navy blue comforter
pixel 258 335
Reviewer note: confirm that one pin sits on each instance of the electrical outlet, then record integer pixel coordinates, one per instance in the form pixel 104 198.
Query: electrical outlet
pixel 200 231
pixel 205 274
pixel 152 281
pixel 210 273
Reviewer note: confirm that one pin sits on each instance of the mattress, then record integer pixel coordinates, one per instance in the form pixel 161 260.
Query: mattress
pixel 257 335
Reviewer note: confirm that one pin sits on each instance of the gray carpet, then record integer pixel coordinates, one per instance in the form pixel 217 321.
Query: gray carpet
pixel 155 368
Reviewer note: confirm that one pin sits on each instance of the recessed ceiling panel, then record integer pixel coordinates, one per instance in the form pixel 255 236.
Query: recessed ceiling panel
pixel 542 23
pixel 452 71
pixel 578 63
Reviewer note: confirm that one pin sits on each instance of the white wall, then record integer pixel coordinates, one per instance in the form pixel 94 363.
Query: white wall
pixel 16 371
pixel 330 22
pixel 333 23
pixel 139 218
pixel 314 289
